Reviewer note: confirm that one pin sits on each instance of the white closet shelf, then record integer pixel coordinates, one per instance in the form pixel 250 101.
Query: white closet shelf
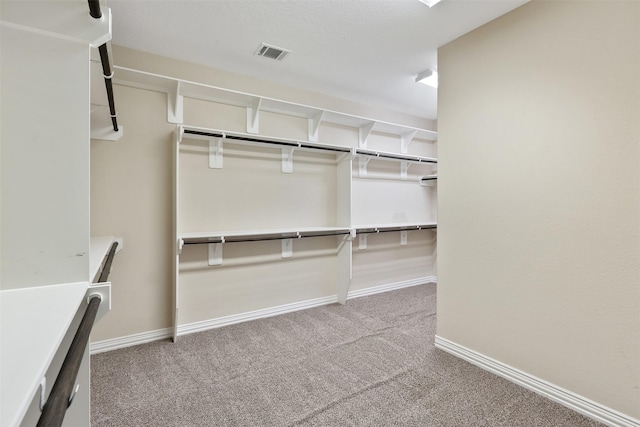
pixel 34 322
pixel 177 89
pixel 256 235
pixel 249 139
pixel 98 249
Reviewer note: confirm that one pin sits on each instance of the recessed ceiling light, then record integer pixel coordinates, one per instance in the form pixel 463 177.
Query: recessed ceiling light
pixel 428 77
pixel 429 3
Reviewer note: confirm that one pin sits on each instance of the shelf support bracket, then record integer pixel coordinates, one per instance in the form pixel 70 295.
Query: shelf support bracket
pixel 215 253
pixel 175 105
pixel 314 125
pixel 215 153
pixel 287 248
pixel 405 140
pixel 362 166
pixel 287 159
pixel 403 237
pixel 180 244
pixel 404 168
pixel 362 241
pixel 364 132
pixel 253 116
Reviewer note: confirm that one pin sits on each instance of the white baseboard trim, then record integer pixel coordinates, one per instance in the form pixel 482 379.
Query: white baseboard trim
pixel 567 398
pixel 129 340
pixel 391 286
pixel 190 328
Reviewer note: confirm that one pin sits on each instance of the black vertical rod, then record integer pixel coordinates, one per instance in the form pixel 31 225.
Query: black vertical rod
pixel 60 397
pixel 95 12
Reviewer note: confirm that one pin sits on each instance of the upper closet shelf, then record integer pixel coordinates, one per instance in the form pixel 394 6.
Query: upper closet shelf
pixel 178 89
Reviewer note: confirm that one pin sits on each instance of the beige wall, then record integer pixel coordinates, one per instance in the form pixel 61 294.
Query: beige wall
pixel 131 185
pixel 539 196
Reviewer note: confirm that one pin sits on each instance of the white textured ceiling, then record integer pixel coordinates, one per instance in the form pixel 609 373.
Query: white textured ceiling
pixel 364 50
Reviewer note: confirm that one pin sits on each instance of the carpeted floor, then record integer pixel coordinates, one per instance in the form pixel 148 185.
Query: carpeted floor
pixel 371 362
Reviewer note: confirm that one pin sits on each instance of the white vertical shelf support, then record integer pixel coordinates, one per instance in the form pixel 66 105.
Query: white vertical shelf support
pixel 287 248
pixel 253 116
pixel 362 166
pixel 215 253
pixel 363 134
pixel 314 126
pixel 287 159
pixel 175 104
pixel 405 140
pixel 404 168
pixel 215 153
pixel 362 241
pixel 403 237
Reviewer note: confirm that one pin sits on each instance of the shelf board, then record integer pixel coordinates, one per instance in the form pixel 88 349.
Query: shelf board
pixel 34 322
pixel 178 87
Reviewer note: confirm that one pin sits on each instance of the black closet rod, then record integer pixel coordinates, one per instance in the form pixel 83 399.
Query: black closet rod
pixel 63 392
pixel 389 230
pixel 266 141
pixel 106 269
pixel 260 239
pixel 95 12
pixel 394 156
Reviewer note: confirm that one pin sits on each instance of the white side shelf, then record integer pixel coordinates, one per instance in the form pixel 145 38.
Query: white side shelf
pixel 177 89
pixel 34 322
pixel 98 250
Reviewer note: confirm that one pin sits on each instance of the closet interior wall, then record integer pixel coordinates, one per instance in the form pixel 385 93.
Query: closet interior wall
pixel 250 192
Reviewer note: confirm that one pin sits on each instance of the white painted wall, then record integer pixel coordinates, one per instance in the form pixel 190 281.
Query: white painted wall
pixel 539 196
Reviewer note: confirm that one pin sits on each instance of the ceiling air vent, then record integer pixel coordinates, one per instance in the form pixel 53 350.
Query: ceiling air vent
pixel 272 52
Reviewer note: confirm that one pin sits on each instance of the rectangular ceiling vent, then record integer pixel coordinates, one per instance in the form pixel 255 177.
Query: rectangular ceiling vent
pixel 272 52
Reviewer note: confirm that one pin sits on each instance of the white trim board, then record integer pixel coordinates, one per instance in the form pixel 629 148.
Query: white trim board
pixel 160 334
pixel 130 340
pixel 558 394
pixel 391 287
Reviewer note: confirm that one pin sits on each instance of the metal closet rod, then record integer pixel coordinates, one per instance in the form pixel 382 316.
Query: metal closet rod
pixel 63 391
pixel 373 153
pixel 372 230
pixel 266 141
pixel 106 269
pixel 95 12
pixel 198 241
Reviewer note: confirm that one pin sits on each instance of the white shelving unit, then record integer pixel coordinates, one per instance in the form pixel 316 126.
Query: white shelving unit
pixel 353 181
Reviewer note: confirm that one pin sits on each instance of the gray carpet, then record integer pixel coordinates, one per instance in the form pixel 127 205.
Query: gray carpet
pixel 371 362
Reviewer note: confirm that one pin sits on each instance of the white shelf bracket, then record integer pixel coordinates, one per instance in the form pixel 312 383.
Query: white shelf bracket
pixel 175 104
pixel 215 153
pixel 43 392
pixel 215 253
pixel 403 237
pixel 180 246
pixel 362 241
pixel 287 248
pixel 362 166
pixel 405 140
pixel 404 168
pixel 287 159
pixel 314 125
pixel 364 132
pixel 253 116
